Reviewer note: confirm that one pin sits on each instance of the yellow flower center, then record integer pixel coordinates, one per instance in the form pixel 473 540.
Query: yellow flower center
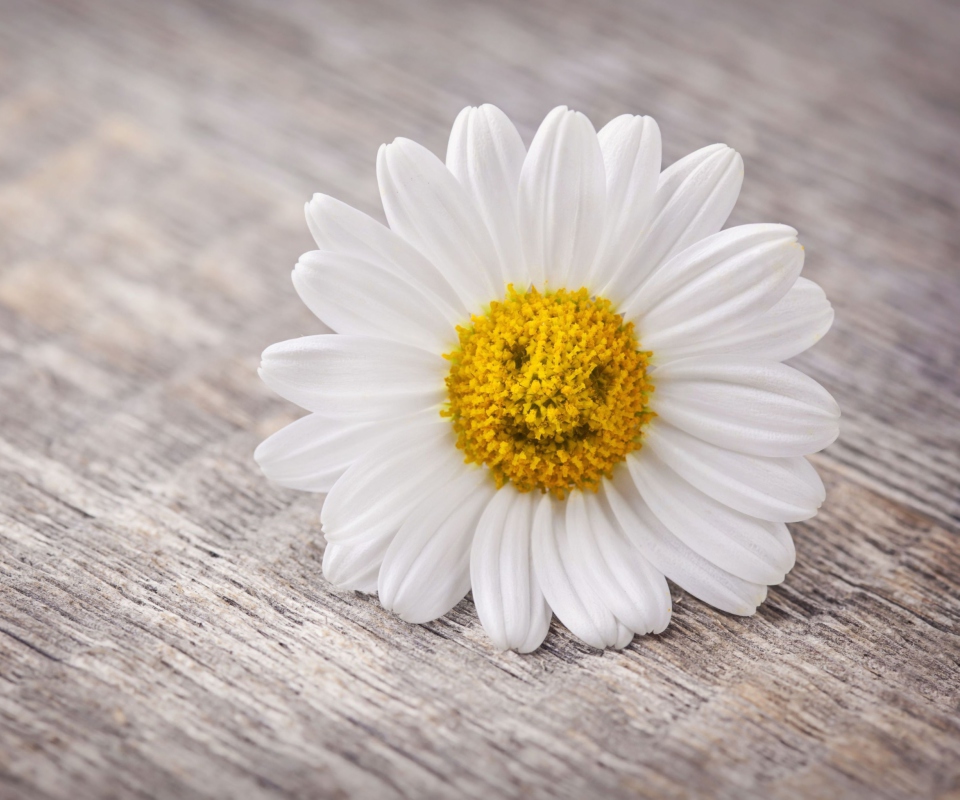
pixel 548 390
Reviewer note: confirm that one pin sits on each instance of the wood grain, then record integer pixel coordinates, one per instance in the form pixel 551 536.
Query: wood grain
pixel 165 630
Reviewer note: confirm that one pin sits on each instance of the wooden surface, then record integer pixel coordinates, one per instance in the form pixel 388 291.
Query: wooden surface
pixel 166 631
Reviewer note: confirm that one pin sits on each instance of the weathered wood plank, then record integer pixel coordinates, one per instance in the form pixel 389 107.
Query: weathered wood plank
pixel 164 627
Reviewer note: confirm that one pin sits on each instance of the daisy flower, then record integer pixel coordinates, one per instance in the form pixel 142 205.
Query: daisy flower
pixel 554 381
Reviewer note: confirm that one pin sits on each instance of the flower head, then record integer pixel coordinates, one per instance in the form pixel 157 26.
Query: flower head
pixel 554 381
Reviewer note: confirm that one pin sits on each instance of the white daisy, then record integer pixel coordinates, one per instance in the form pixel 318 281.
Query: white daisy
pixel 554 381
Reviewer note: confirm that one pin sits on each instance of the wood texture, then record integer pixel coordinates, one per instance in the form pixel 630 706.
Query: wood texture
pixel 166 631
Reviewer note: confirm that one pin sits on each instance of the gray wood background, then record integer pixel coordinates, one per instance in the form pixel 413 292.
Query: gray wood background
pixel 165 630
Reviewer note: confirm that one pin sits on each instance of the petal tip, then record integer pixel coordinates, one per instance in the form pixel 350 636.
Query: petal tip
pixel 260 454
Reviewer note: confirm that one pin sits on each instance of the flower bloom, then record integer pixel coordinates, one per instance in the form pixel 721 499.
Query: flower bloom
pixel 554 381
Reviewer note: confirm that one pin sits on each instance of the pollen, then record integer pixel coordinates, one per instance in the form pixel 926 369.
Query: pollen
pixel 549 391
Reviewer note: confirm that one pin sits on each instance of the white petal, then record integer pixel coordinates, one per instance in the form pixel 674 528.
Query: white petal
pixel 429 208
pixel 775 489
pixel 798 321
pixel 341 229
pixel 426 570
pixel 354 377
pixel 558 560
pixel 379 490
pixel 694 198
pixel 562 199
pixel 690 571
pixel 631 159
pixel 311 453
pixel 749 548
pixel 357 296
pixel 505 590
pixel 485 154
pixel 632 589
pixel 756 407
pixel 539 627
pixel 714 286
pixel 355 565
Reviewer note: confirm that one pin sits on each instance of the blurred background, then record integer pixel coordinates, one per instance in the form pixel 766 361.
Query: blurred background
pixel 167 629
pixel 154 159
